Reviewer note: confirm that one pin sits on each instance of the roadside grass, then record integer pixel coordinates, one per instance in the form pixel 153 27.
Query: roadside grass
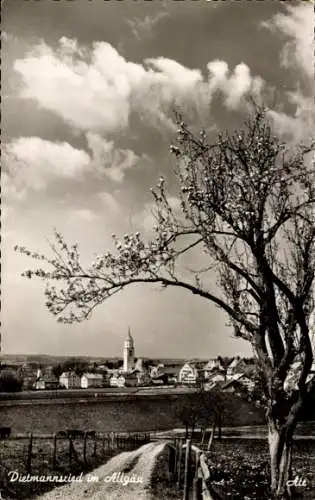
pixel 163 485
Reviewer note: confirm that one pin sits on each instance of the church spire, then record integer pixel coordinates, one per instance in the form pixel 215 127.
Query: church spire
pixel 129 353
pixel 129 335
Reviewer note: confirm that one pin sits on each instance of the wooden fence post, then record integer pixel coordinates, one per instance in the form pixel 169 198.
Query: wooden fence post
pixel 187 457
pixel 113 441
pixel 179 463
pixel 29 453
pixel 219 427
pixel 171 460
pixel 54 457
pixel 211 437
pixel 204 430
pixel 95 445
pixel 70 451
pixel 196 481
pixel 176 456
pixel 84 447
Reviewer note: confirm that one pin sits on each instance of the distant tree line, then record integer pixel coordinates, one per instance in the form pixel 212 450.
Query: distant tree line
pixel 82 366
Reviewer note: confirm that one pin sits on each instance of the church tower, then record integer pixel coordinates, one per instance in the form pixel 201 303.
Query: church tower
pixel 129 353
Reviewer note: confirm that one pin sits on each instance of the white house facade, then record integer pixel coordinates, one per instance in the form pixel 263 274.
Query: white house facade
pixel 123 380
pixel 188 374
pixel 70 380
pixel 91 380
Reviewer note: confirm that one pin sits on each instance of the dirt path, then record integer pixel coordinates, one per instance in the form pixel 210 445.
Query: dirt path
pixel 137 465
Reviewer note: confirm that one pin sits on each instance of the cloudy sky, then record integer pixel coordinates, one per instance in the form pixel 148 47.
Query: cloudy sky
pixel 88 91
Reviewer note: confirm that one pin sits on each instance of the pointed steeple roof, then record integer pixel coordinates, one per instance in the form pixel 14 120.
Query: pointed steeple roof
pixel 130 338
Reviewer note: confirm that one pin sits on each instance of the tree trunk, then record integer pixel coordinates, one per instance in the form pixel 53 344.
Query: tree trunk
pixel 280 446
pixel 219 427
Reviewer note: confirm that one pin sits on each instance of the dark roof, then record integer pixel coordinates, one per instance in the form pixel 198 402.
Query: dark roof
pixel 170 370
pixel 48 380
pixel 216 372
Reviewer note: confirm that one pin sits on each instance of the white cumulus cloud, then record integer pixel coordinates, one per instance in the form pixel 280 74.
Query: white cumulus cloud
pixel 108 160
pixel 32 162
pixel 297 24
pixel 233 86
pixel 95 89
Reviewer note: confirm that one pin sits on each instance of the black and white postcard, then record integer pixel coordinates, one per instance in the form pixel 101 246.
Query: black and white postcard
pixel 158 250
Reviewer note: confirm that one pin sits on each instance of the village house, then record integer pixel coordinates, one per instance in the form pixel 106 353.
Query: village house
pixel 213 365
pixel 190 375
pixel 238 383
pixel 142 374
pixel 156 371
pixel 120 379
pixel 143 378
pixel 237 366
pixel 46 382
pixel 168 375
pixel 70 380
pixel 216 379
pixel 89 380
pixel 172 374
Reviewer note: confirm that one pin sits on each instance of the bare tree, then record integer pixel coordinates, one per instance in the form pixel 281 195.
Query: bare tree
pixel 247 206
pixel 201 409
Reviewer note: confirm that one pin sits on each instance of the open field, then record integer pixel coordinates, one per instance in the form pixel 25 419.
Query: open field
pixel 146 413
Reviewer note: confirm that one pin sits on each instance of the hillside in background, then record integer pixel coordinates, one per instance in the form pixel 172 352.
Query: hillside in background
pixel 47 359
